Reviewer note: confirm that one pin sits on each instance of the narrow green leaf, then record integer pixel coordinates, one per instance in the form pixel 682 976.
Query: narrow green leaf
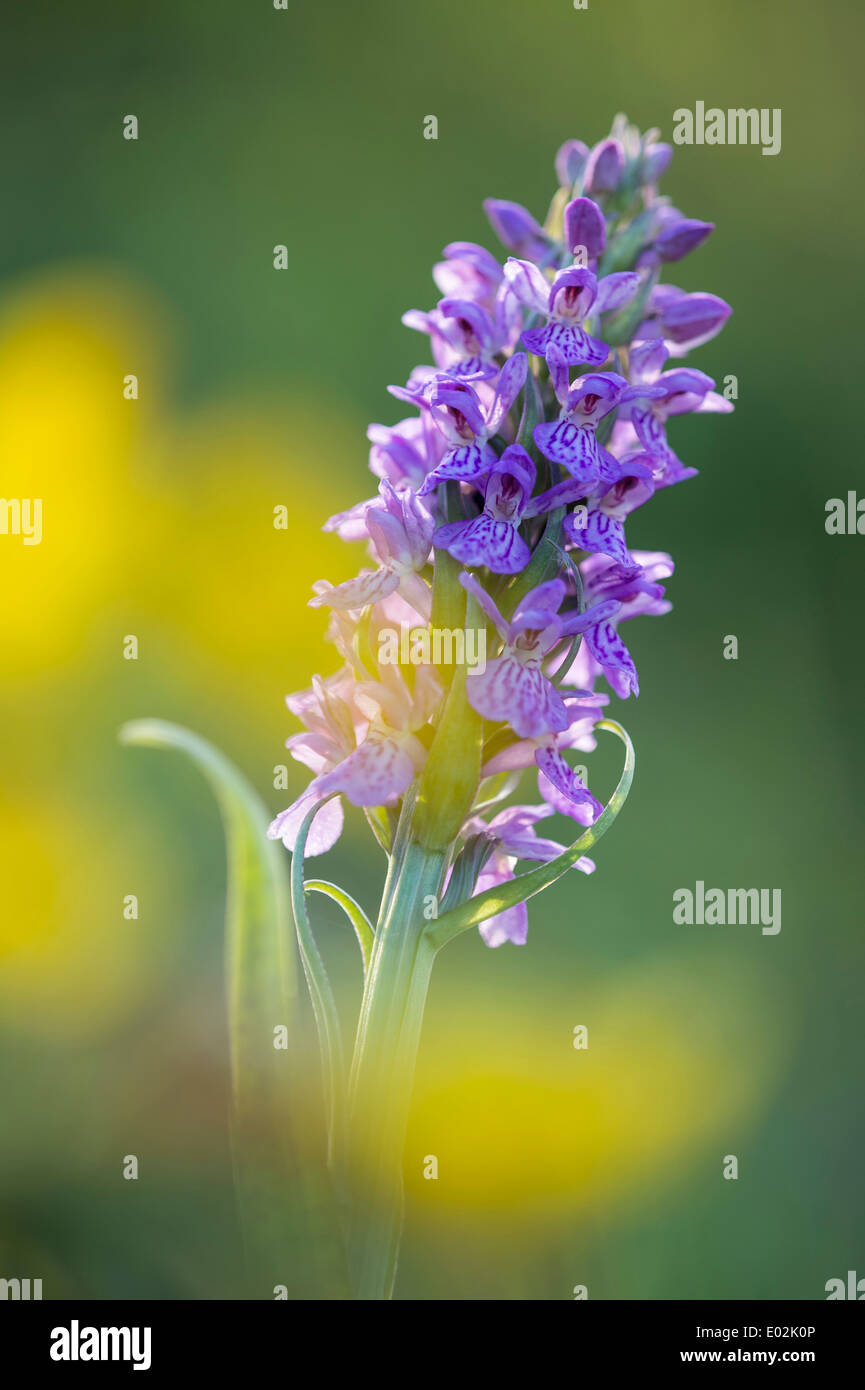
pixel 323 1003
pixel 284 1196
pixel 518 890
pixel 353 911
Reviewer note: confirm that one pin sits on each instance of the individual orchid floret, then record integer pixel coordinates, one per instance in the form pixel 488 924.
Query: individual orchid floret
pixel 513 689
pixel 378 770
pixel 684 321
pixel 607 652
pixel 562 789
pixel 468 271
pixel 680 391
pixel 405 452
pixel 513 837
pixel 517 229
pixel 636 592
pixel 457 411
pixel 383 766
pixel 557 783
pixel 570 441
pixel 464 338
pixel 401 531
pixel 334 726
pixel 598 527
pixel 584 708
pixel 493 538
pixel 574 294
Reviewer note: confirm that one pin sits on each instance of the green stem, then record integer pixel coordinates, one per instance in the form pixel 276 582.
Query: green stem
pixel 382 1077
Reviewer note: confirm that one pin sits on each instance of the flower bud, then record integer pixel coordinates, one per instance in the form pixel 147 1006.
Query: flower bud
pixel 605 167
pixel 584 226
pixel 655 162
pixel 570 162
pixel 681 236
pixel 683 320
pixel 516 229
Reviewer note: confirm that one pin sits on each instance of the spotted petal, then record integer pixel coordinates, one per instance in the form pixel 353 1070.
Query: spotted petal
pixel 465 464
pixel 325 830
pixel 511 381
pixel 562 788
pixel 369 587
pixel 483 541
pixel 611 654
pixel 528 284
pixel 519 695
pixel 573 446
pixel 373 775
pixel 573 344
pixel 594 530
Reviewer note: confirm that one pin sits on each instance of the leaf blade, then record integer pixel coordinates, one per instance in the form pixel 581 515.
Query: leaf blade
pixel 284 1196
pixel 518 890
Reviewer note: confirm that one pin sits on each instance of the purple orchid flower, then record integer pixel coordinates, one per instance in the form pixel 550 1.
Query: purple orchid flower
pixel 464 337
pixel 635 592
pixel 575 293
pixel 684 321
pixel 599 526
pixel 638 590
pixel 681 391
pixel 397 730
pixel 562 789
pixel 517 229
pixel 557 783
pixel 570 441
pixel 375 770
pixel 382 767
pixel 513 689
pixel 493 538
pixel 471 273
pixel 513 837
pixel 468 271
pixel 457 412
pixel 405 452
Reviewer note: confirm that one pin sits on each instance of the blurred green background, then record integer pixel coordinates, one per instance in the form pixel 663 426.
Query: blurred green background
pixel 304 127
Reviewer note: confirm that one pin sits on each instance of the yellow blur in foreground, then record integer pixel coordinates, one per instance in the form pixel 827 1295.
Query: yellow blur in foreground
pixel 521 1121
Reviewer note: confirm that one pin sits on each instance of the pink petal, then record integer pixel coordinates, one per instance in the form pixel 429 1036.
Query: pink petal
pixel 376 773
pixel 326 827
pixel 519 695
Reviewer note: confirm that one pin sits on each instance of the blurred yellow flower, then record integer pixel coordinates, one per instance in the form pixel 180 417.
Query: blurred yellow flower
pixel 521 1121
pixel 153 526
